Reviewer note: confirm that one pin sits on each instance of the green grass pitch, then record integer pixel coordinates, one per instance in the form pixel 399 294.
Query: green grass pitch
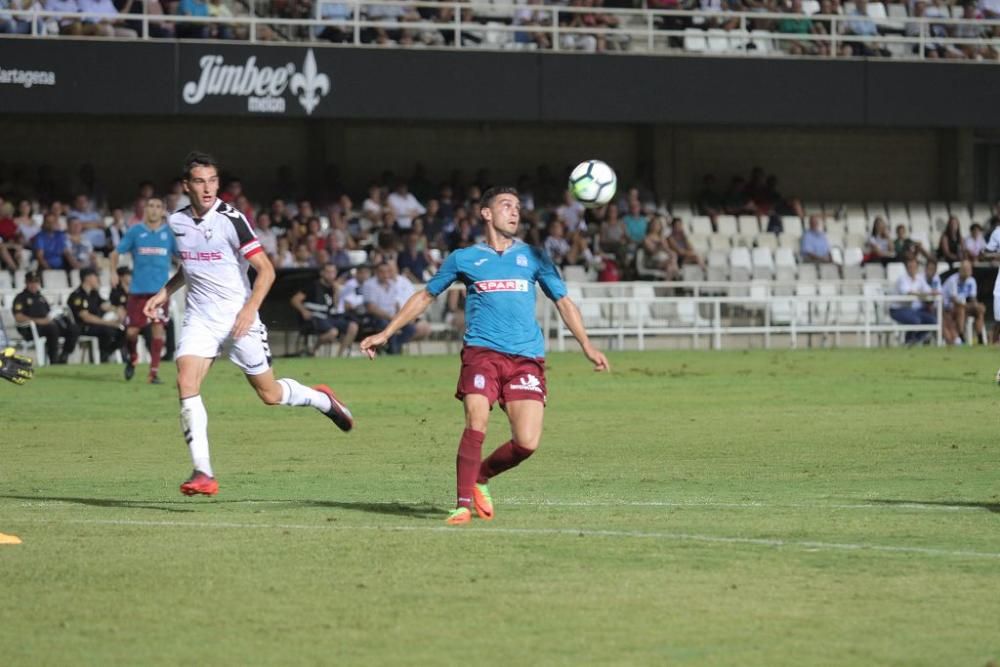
pixel 691 508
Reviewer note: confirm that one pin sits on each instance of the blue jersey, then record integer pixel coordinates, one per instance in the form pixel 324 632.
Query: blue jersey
pixel 500 302
pixel 151 253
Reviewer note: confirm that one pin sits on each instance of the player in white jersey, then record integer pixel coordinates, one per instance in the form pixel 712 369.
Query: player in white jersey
pixel 216 247
pixel 992 252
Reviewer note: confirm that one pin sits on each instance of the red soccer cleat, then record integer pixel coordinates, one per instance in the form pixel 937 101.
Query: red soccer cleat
pixel 200 483
pixel 338 413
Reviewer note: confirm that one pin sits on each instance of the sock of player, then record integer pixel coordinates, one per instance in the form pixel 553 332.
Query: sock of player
pixel 155 352
pixel 294 393
pixel 133 352
pixel 470 451
pixel 506 456
pixel 194 424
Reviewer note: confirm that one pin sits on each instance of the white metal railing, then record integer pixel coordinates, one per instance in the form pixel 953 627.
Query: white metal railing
pixel 767 315
pixel 495 27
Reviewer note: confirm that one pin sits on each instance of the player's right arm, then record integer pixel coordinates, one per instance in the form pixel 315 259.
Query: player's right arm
pixel 125 245
pixel 411 310
pixel 161 298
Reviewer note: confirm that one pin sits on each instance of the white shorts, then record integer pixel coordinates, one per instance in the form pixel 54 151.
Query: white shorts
pixel 207 339
pixel 996 307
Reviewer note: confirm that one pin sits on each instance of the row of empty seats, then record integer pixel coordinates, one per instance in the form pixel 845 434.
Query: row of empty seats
pixel 931 213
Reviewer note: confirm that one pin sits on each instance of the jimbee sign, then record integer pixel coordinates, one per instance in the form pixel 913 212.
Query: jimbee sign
pixel 266 81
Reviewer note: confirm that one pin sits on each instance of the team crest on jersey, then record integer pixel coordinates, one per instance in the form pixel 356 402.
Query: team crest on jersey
pixel 502 285
pixel 479 381
pixel 522 260
pixel 208 234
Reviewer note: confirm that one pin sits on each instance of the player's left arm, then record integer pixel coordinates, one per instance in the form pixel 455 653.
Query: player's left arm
pixel 261 286
pixel 570 314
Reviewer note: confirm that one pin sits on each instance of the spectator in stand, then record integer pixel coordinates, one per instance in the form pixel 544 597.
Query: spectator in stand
pixel 635 222
pixel 800 27
pixel 913 283
pixel 971 30
pixel 975 242
pixel 157 29
pixel 556 245
pixel 384 295
pixel 91 222
pixel 654 257
pixel 117 228
pixel 31 306
pixel 721 8
pixel 181 200
pixel 906 248
pixel 815 247
pixel 319 309
pixel 529 15
pixel 373 206
pixel 736 201
pixel 79 251
pixel 680 246
pixel 989 9
pixel 10 239
pixel 961 302
pixel 404 206
pixel 27 226
pixel 571 212
pixel 303 257
pixel 50 244
pixel 951 249
pixel 413 262
pixel 225 29
pixel 14 25
pixel 948 331
pixel 71 26
pixel 879 247
pixel 234 188
pixel 339 30
pixel 268 239
pixel 613 235
pixel 283 258
pixel 110 26
pixel 336 253
pixel 864 27
pixel 95 316
pixel 387 15
pixel 194 9
pixel 464 234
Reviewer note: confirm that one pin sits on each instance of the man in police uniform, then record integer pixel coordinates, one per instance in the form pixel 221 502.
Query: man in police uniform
pixel 119 293
pixel 90 310
pixel 31 306
pixel 318 306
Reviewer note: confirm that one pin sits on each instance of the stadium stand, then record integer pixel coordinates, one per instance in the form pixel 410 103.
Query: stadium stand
pixel 943 30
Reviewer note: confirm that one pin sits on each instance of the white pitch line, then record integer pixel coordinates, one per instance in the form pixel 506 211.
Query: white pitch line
pixel 527 502
pixel 808 545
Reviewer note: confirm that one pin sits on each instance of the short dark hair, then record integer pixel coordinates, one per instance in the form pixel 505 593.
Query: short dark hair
pixel 86 272
pixel 493 192
pixel 198 159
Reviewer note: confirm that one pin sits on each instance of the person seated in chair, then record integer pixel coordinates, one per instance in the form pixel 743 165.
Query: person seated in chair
pixel 95 316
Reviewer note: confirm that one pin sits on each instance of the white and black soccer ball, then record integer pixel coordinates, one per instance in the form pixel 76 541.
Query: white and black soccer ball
pixel 593 183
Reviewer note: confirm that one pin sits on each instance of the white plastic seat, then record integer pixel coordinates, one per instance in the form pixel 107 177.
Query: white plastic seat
pixel 791 225
pixel 692 273
pixel 857 225
pixel 873 271
pixel 740 265
pixel 718 41
pixel 766 240
pixel 748 225
pixel 763 263
pixel 701 224
pixel 694 40
pixel 726 224
pixel 699 242
pixel 835 228
pixel 54 279
pixel 575 274
pixel 719 242
pixel 829 271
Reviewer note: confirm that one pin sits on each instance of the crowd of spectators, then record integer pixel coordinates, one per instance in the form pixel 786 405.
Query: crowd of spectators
pixel 866 29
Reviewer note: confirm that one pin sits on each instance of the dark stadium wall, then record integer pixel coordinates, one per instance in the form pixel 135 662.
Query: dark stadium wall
pixel 815 164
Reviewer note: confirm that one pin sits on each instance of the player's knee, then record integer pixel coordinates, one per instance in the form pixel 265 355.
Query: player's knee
pixel 530 442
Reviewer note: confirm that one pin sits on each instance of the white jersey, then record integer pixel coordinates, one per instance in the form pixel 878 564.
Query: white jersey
pixel 214 252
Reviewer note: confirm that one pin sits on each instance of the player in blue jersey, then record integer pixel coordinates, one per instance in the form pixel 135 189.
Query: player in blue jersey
pixel 152 245
pixel 503 356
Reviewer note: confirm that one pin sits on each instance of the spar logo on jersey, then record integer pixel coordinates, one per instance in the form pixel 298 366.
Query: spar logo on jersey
pixel 502 285
pixel 213 256
pixel 152 250
pixel 264 87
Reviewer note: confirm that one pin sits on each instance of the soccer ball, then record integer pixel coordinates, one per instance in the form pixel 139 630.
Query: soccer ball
pixel 593 183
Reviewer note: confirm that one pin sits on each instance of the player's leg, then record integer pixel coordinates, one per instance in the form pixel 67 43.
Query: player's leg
pixel 978 310
pixel 191 371
pixel 159 337
pixel 252 354
pixel 131 351
pixel 350 333
pixel 469 456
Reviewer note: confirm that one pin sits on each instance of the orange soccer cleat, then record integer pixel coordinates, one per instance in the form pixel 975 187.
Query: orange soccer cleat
pixel 338 413
pixel 200 483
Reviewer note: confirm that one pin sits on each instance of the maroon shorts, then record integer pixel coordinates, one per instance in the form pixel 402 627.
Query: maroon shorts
pixel 500 377
pixel 134 317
